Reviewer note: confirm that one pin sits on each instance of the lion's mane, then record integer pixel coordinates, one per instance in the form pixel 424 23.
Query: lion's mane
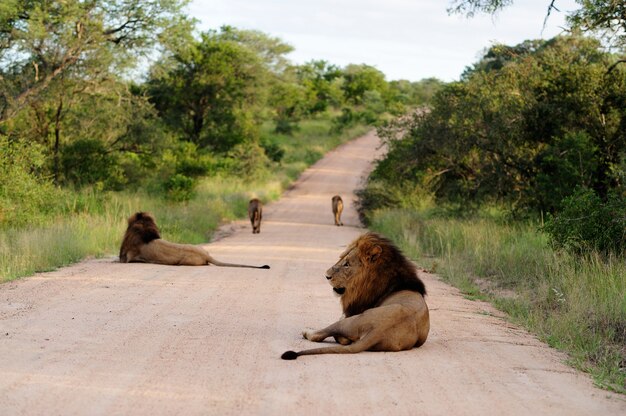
pixel 141 229
pixel 379 276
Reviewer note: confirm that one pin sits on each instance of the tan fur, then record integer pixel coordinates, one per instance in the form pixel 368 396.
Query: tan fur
pixel 255 213
pixel 337 209
pixel 142 243
pixel 382 299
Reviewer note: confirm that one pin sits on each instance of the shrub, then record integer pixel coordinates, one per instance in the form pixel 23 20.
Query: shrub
pixel 88 161
pixel 248 160
pixel 273 151
pixel 26 197
pixel 586 222
pixel 375 195
pixel 179 187
pixel 347 118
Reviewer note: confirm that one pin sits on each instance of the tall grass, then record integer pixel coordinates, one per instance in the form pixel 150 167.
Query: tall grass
pixel 91 223
pixel 574 303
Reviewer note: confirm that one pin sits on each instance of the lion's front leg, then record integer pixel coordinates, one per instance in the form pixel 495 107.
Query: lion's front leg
pixel 316 336
pixel 344 331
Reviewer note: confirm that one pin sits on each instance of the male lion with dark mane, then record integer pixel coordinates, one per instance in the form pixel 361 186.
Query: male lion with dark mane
pixel 382 299
pixel 143 244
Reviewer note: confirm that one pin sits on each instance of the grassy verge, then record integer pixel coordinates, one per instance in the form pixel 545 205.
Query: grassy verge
pixel 574 303
pixel 93 222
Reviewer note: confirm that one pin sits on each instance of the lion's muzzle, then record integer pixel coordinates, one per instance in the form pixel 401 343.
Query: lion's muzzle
pixel 339 290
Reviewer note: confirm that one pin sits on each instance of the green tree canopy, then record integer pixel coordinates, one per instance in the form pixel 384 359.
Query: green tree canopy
pixel 44 40
pixel 359 79
pixel 526 131
pixel 211 91
pixel 322 82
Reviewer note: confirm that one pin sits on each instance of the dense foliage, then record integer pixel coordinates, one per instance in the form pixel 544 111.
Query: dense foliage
pixel 588 223
pixel 525 126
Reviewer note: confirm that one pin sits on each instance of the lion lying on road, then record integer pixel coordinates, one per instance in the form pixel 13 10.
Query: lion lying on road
pixel 382 299
pixel 142 243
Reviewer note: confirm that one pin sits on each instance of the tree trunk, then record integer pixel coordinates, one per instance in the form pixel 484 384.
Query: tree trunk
pixel 57 139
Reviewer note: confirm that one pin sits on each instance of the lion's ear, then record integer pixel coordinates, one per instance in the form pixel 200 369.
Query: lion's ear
pixel 374 253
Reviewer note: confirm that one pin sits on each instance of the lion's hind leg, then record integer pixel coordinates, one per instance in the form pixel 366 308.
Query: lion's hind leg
pixel 342 340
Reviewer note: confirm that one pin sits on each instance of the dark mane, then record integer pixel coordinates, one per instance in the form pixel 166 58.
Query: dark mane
pixel 141 229
pixel 405 274
pixel 143 225
pixel 391 272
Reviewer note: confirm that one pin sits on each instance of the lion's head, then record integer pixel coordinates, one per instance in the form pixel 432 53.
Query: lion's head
pixel 141 229
pixel 369 270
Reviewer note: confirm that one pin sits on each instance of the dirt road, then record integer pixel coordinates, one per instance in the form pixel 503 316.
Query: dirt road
pixel 104 338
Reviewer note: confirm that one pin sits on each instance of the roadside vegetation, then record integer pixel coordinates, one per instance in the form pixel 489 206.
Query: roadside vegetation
pixel 512 187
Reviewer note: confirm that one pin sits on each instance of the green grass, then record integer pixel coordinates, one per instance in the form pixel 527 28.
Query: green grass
pixel 313 142
pixel 90 223
pixel 574 303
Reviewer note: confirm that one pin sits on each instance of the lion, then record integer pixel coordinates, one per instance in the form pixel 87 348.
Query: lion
pixel 382 299
pixel 142 243
pixel 255 212
pixel 337 209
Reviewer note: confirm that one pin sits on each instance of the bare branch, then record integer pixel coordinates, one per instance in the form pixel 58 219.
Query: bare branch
pixel 612 67
pixel 550 8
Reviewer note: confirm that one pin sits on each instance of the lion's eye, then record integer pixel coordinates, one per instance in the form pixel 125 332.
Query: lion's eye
pixel 346 265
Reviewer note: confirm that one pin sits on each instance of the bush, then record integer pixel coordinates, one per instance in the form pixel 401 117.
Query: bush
pixel 273 151
pixel 248 160
pixel 587 222
pixel 286 126
pixel 376 195
pixel 347 118
pixel 180 187
pixel 26 197
pixel 88 161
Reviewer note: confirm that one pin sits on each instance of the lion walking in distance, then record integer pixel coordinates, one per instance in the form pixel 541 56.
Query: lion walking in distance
pixel 382 299
pixel 337 209
pixel 142 243
pixel 255 213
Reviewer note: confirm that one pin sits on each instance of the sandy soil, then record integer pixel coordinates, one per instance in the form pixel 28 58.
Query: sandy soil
pixel 106 338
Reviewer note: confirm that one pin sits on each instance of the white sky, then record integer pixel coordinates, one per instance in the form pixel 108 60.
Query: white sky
pixel 405 39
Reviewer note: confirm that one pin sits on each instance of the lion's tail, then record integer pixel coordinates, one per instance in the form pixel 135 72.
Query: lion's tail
pixel 361 345
pixel 222 264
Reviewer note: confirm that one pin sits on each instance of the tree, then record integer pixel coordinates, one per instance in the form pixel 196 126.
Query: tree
pixel 526 131
pixel 358 79
pixel 211 90
pixel 44 40
pixel 321 81
pixel 287 98
pixel 270 50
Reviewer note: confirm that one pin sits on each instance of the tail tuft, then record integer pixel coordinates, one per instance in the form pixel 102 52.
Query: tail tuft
pixel 289 355
pixel 264 267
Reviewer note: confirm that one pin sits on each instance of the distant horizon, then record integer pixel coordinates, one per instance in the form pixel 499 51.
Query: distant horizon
pixel 403 39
